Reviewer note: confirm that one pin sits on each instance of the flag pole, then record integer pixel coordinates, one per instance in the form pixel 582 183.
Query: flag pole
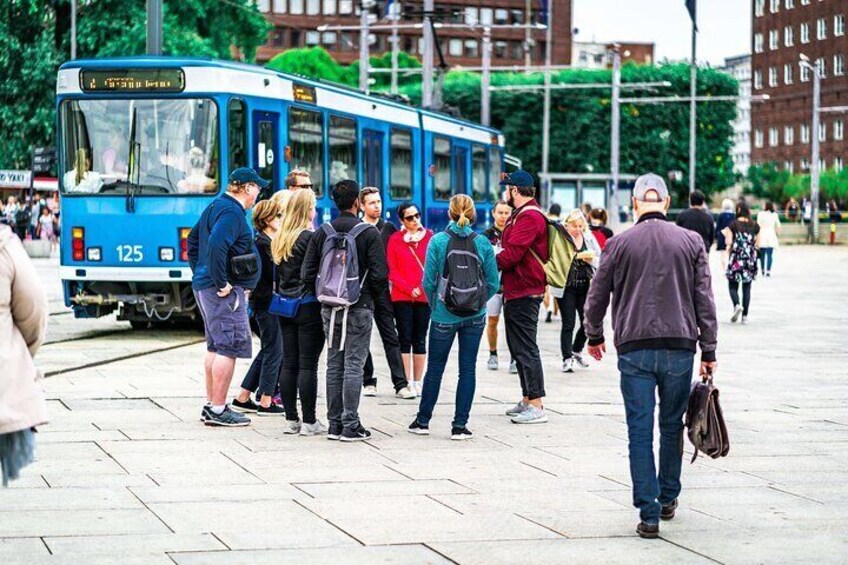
pixel 693 79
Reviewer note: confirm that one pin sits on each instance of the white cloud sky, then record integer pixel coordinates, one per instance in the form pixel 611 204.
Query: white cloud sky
pixel 725 26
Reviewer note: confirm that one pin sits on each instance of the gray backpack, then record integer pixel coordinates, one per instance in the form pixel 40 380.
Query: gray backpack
pixel 338 284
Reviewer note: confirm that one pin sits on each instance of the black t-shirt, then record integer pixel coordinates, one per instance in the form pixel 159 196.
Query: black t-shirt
pixel 699 221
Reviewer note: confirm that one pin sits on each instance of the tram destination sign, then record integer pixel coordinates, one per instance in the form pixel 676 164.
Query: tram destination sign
pixel 132 80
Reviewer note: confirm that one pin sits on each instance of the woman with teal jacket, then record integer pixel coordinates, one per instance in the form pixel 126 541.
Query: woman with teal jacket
pixel 444 325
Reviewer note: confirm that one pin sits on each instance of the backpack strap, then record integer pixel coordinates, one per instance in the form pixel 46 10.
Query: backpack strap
pixel 328 229
pixel 360 228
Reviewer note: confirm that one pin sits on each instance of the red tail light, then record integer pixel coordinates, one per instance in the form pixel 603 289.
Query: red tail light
pixel 184 243
pixel 78 243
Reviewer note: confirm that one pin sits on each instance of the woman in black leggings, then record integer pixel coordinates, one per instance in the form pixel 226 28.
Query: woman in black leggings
pixel 741 237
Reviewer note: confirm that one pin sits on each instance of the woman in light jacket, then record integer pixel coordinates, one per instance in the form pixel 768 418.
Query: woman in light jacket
pixel 769 223
pixel 445 325
pixel 23 322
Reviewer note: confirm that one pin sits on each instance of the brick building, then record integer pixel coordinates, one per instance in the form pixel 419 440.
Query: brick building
pixel 782 31
pixel 595 55
pixel 296 22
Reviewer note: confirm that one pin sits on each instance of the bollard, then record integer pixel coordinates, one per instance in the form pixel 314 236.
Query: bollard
pixel 833 233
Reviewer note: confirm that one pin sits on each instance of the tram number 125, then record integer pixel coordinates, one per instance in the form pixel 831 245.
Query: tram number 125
pixel 130 253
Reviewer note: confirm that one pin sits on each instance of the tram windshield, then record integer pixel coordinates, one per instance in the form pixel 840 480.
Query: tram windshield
pixel 117 147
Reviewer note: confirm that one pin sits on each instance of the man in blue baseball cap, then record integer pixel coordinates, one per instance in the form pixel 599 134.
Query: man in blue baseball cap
pixel 225 264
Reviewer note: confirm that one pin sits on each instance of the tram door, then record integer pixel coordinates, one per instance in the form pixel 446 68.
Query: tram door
pixel 372 162
pixel 265 144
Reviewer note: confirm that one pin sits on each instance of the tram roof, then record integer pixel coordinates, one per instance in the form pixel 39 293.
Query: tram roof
pixel 157 61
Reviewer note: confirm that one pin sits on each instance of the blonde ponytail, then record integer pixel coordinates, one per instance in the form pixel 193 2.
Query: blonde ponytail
pixel 461 210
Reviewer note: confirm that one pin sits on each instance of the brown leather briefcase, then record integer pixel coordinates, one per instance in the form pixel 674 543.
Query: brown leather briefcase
pixel 705 421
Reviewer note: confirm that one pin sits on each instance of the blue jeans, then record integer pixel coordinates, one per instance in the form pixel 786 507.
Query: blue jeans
pixel 642 373
pixel 766 257
pixel 441 342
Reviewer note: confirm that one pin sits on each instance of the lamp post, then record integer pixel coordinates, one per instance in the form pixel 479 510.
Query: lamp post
pixel 814 165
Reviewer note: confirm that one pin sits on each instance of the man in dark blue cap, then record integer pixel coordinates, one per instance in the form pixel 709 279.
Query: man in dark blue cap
pixel 225 264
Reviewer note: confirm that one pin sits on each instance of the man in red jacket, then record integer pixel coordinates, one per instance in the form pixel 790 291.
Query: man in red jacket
pixel 525 249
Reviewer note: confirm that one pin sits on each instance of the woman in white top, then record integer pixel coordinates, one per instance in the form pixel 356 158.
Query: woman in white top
pixel 81 178
pixel 769 223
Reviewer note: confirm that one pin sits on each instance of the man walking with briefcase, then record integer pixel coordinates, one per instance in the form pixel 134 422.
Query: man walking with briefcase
pixel 663 307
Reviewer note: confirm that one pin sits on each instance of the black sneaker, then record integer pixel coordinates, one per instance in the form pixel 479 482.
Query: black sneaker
pixel 334 433
pixel 461 433
pixel 272 410
pixel 648 531
pixel 359 434
pixel 245 407
pixel 228 418
pixel 668 510
pixel 418 429
pixel 204 414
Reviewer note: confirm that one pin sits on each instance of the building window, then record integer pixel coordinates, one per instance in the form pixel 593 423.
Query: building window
pixel 501 16
pixel 329 7
pixel 838 163
pixel 329 38
pixel 805 133
pixel 264 5
pixel 455 48
pixel 788 166
pixel 774 39
pixel 774 6
pixel 838 65
pixel 789 4
pixel 838 130
pixel 296 7
pixel 472 48
pixel 822 131
pixel 500 49
pixel 787 74
pixel 758 79
pixel 758 138
pixel 821 29
pixel 517 17
pixel 839 25
pixel 788 36
pixel 759 6
pixel 822 164
pixel 821 67
pixel 487 16
pixel 805 2
pixel 805 32
pixel 471 17
pixel 773 137
pixel 788 135
pixel 805 73
pixel 772 76
pixel 758 43
pixel 805 164
pixel 280 6
pixel 313 38
pixel 345 6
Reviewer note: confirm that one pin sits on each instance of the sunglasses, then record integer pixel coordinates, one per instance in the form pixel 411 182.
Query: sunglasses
pixel 411 217
pixel 305 185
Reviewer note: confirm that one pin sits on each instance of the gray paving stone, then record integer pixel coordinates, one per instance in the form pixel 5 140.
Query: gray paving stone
pixel 396 555
pixel 24 500
pixel 382 488
pixel 132 545
pixel 12 549
pixel 60 522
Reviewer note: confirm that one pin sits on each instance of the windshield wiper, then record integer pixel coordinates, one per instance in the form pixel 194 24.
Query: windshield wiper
pixel 132 165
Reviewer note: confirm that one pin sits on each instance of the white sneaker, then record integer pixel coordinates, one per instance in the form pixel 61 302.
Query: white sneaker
pixel 416 388
pixel 736 313
pixel 513 368
pixel 369 390
pixel 492 364
pixel 316 429
pixel 292 427
pixel 405 393
pixel 568 365
pixel 580 360
pixel 532 415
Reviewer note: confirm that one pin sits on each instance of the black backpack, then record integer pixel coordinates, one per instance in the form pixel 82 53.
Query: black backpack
pixel 463 282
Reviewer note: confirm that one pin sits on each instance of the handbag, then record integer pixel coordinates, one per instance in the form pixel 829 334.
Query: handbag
pixel 285 306
pixel 705 420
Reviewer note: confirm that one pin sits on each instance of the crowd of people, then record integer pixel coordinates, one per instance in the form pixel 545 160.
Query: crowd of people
pixel 37 219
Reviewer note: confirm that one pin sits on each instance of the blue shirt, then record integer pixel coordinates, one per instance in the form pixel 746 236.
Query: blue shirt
pixel 435 265
pixel 221 233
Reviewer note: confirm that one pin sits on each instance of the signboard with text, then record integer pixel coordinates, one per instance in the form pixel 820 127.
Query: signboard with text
pixel 14 179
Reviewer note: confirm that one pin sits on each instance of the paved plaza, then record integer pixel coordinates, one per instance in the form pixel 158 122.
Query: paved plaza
pixel 126 472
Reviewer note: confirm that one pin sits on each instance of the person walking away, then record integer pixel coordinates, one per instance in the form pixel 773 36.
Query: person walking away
pixel 263 374
pixel 406 254
pixel 586 258
pixel 23 324
pixel 598 226
pixel 525 249
pixel 343 249
pixel 224 264
pixel 458 246
pixel 500 214
pixel 725 218
pixel 698 219
pixel 769 223
pixel 384 316
pixel 551 305
pixel 741 236
pixel 303 331
pixel 792 211
pixel 663 308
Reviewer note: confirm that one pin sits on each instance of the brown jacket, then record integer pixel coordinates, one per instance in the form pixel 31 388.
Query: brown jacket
pixel 23 322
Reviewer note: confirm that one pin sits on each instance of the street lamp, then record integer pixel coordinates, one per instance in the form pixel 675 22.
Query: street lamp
pixel 814 166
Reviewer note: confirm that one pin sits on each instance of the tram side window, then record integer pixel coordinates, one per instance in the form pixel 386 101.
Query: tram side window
pixel 342 137
pixel 442 162
pixel 237 134
pixel 400 178
pixel 306 138
pixel 479 174
pixel 495 164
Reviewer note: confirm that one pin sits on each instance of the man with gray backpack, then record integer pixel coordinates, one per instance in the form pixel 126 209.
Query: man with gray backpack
pixel 345 268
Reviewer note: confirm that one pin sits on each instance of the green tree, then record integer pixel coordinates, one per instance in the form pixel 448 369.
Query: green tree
pixel 36 39
pixel 313 62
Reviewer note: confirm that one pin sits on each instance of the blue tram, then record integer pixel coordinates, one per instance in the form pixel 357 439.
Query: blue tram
pixel 147 142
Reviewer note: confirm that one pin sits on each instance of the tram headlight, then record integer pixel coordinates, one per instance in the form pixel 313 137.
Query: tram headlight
pixel 166 253
pixel 94 254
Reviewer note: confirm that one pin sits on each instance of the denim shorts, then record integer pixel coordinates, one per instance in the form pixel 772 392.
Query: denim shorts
pixel 225 322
